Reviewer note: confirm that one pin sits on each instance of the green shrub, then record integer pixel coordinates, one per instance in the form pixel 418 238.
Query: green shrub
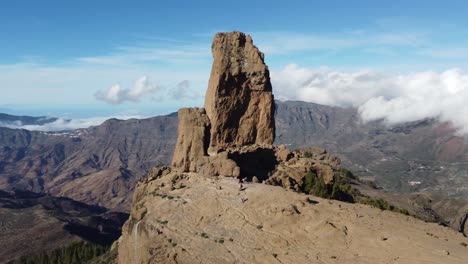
pixel 340 189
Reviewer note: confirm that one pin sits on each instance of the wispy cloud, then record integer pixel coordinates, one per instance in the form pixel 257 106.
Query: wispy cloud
pixel 148 53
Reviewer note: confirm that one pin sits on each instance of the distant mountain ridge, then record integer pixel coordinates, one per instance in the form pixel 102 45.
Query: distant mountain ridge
pixel 6 120
pixel 102 164
pixel 421 155
pixel 98 165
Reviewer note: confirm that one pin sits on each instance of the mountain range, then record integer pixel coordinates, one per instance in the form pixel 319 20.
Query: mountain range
pixel 417 156
pixel 230 195
pixel 102 164
pixel 197 179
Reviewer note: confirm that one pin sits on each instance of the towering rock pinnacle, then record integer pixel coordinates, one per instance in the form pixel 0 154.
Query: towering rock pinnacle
pixel 239 109
pixel 239 100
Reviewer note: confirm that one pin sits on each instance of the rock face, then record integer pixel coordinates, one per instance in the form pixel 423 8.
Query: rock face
pixel 239 100
pixel 233 135
pixel 193 137
pixel 239 111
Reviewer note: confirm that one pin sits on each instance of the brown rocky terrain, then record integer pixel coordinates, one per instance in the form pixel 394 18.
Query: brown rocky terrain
pixel 195 212
pixel 405 158
pixel 32 223
pixel 392 156
pixel 208 220
pixel 99 165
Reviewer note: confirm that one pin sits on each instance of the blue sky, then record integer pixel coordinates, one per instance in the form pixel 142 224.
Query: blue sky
pixel 63 58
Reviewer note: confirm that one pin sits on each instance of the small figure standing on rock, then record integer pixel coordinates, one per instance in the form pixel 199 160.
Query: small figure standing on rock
pixel 241 183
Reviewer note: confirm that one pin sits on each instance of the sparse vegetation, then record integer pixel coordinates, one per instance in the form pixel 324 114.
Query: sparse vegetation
pixel 73 254
pixel 382 204
pixel 341 189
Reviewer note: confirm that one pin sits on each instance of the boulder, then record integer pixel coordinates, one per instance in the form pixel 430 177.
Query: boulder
pixel 283 153
pixel 219 165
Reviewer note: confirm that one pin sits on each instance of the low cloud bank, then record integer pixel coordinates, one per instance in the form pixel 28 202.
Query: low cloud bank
pixel 64 124
pixel 394 99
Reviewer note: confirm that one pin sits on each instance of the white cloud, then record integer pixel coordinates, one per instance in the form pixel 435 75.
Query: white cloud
pixel 395 99
pixel 117 95
pixel 328 87
pixel 62 124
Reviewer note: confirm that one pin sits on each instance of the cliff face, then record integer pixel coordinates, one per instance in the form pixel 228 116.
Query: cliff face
pixel 187 214
pixel 239 100
pixel 193 137
pixel 233 135
pixel 239 112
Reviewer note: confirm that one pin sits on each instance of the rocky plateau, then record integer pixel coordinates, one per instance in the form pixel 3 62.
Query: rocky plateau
pixel 200 211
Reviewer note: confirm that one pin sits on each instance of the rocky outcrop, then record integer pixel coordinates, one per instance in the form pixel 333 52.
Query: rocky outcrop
pixel 239 100
pixel 211 221
pixel 188 214
pixel 219 165
pixel 193 137
pixel 233 135
pixel 239 111
pixel 291 173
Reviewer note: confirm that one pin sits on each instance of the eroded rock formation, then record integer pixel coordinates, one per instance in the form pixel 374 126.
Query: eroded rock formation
pixel 192 140
pixel 232 137
pixel 239 111
pixel 239 100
